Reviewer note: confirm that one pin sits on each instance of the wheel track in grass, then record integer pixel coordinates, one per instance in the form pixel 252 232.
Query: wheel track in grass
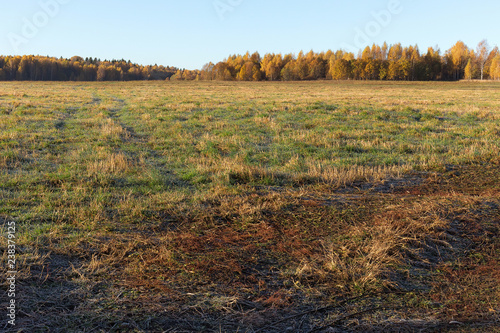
pixel 133 144
pixel 132 137
pixel 71 112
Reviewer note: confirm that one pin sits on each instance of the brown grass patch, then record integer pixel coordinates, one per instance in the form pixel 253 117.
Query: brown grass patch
pixel 114 163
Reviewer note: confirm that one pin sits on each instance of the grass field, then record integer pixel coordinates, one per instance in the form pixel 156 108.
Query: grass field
pixel 252 207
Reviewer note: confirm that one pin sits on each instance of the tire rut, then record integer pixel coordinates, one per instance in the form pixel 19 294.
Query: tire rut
pixel 132 137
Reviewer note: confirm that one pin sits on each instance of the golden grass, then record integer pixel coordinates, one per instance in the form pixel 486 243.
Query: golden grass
pixel 114 163
pixel 339 177
pixel 110 129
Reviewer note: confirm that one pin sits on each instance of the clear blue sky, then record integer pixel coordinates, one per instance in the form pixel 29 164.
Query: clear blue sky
pixel 190 33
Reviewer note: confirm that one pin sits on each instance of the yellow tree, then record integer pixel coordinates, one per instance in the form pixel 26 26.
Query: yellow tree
pixel 459 55
pixel 384 70
pixel 101 72
pixel 222 72
pixel 242 74
pixel 266 63
pixel 404 67
pixel 302 66
pixel 370 71
pixel 289 73
pixel 233 63
pixel 256 73
pixel 271 66
pixel 317 69
pixel 433 64
pixel 395 54
pixel 487 66
pixel 189 75
pixel 367 54
pixel 246 71
pixel 255 58
pixel 340 69
pixel 495 68
pixel 349 56
pixel 337 55
pixel 473 65
pixel 469 70
pixel 376 52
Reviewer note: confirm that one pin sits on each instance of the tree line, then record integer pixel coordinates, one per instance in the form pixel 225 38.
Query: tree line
pixel 39 68
pixel 385 62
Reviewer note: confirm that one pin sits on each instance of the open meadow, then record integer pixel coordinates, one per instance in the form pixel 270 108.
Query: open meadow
pixel 252 207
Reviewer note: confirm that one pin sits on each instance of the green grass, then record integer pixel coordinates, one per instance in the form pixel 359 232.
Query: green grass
pixel 194 139
pixel 283 194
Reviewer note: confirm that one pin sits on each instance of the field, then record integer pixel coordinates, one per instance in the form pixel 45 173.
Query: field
pixel 252 207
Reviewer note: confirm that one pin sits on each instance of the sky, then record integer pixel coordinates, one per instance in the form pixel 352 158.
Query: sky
pixel 191 33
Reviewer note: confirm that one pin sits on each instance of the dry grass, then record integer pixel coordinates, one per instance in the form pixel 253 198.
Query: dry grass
pixel 340 177
pixel 110 129
pixel 111 164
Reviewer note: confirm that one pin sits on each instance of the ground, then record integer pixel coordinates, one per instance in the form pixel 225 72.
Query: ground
pixel 252 207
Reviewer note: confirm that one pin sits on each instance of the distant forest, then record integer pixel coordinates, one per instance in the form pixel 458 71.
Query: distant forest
pixel 38 68
pixel 385 62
